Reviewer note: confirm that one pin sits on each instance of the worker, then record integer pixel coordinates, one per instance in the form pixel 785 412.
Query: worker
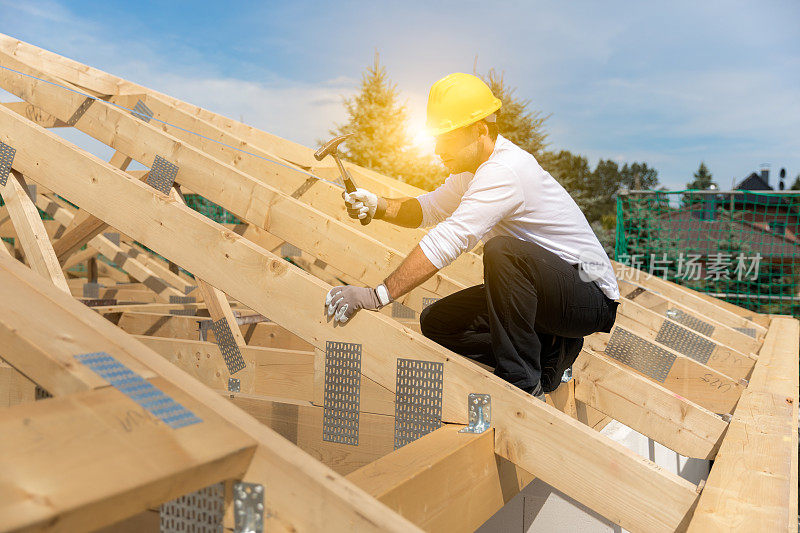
pixel 547 282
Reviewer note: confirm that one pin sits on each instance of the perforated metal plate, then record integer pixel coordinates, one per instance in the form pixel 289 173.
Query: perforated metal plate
pixel 76 116
pixel 401 311
pixel 418 404
pixel 41 394
pixel 113 236
pixel 230 351
pixel 290 250
pixel 640 354
pixel 162 175
pixel 198 512
pixel 747 331
pixel 342 393
pixel 690 321
pixel 181 299
pixel 141 111
pixel 428 301
pixel 234 385
pixel 91 290
pixel 184 312
pixel 139 390
pixel 99 302
pixel 6 158
pixel 685 341
pixel 634 293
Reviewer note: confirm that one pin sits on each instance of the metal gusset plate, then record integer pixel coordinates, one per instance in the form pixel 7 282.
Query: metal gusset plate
pixel 685 341
pixel 181 299
pixel 418 403
pixel 91 290
pixel 747 331
pixel 228 347
pixel 690 321
pixel 640 354
pixel 76 116
pixel 162 175
pixel 234 385
pixel 428 301
pixel 141 111
pixel 290 250
pixel 191 311
pixel 41 394
pixel 6 159
pixel 139 390
pixel 198 512
pixel 248 508
pixel 635 292
pixel 342 393
pixel 401 311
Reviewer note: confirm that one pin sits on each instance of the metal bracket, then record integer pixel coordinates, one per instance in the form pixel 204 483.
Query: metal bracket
pixel 248 505
pixel 692 322
pixel 141 111
pixel 41 394
pixel 401 311
pixel 6 158
pixel 418 403
pixel 751 332
pixel 203 326
pixel 227 346
pixel 91 290
pixel 290 250
pixel 480 413
pixel 199 512
pixel 190 311
pixel 162 175
pixel 234 385
pixel 182 299
pixel 76 116
pixel 640 354
pixel 428 301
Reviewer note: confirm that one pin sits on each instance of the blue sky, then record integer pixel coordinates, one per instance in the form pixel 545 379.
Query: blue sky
pixel 670 83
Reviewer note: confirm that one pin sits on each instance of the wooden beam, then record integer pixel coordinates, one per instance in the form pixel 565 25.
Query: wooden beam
pixel 339 505
pixel 444 481
pixel 646 407
pixel 597 471
pixel 691 379
pixel 753 483
pixel 92 458
pixel 31 232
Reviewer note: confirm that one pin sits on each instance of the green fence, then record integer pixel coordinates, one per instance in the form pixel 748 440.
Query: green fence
pixel 741 246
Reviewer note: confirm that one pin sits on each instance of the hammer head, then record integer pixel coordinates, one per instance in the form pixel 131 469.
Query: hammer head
pixel 331 146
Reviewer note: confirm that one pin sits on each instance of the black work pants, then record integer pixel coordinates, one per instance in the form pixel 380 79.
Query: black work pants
pixel 530 297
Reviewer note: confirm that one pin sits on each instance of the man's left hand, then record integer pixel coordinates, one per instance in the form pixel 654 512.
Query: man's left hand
pixel 343 302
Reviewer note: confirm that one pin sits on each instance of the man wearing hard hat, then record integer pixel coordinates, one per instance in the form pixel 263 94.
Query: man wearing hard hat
pixel 547 280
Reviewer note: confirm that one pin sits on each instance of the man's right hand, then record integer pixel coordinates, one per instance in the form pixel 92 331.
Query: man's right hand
pixel 361 204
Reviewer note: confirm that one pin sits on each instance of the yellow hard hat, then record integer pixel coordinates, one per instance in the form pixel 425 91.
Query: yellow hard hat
pixel 458 100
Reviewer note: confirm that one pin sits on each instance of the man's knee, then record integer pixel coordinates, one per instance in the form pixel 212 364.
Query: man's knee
pixel 495 248
pixel 426 323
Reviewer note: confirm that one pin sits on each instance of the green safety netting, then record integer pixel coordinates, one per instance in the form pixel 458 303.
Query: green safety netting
pixel 740 246
pixel 210 209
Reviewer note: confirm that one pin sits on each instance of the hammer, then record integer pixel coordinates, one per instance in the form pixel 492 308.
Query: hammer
pixel 332 148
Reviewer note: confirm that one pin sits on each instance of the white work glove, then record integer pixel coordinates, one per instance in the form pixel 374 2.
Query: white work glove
pixel 361 204
pixel 343 302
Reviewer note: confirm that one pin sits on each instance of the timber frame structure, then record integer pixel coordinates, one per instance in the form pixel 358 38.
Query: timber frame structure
pixel 259 387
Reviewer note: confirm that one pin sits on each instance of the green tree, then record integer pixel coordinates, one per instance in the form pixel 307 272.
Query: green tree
pixel 702 178
pixel 638 176
pixel 382 142
pixel 796 185
pixel 516 122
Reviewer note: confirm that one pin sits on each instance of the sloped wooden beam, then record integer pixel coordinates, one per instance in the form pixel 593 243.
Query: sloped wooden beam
pixel 753 483
pixel 30 231
pixel 339 506
pixel 597 471
pixel 647 407
pixel 89 459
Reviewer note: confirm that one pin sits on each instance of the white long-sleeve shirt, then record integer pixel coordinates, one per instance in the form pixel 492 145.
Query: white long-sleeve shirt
pixel 511 194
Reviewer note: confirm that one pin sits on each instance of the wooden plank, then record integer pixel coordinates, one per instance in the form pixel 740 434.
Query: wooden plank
pixel 339 505
pixel 62 466
pixel 646 407
pixel 14 387
pixel 598 472
pixel 30 230
pixel 444 481
pixel 753 483
pixel 691 379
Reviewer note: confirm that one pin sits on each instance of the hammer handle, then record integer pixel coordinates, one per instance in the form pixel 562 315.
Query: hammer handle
pixel 350 186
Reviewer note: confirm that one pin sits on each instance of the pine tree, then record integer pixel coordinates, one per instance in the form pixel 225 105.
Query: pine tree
pixel 796 185
pixel 516 122
pixel 702 178
pixel 382 142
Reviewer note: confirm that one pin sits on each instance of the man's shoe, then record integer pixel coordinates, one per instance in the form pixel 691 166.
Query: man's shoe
pixel 537 392
pixel 553 369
